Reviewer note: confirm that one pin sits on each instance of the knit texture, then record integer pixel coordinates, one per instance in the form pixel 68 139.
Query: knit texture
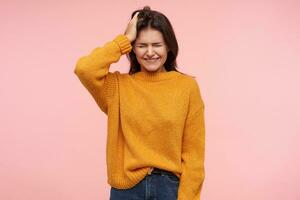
pixel 154 120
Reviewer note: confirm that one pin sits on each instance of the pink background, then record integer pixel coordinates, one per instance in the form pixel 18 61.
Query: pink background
pixel 245 55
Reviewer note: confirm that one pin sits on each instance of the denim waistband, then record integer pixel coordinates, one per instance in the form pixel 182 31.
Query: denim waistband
pixel 161 171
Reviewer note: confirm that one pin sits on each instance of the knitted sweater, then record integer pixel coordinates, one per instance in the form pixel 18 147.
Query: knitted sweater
pixel 154 120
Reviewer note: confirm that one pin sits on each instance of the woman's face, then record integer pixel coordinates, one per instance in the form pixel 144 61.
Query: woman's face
pixel 150 50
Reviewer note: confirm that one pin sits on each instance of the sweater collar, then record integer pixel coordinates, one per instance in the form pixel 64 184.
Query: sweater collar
pixel 156 76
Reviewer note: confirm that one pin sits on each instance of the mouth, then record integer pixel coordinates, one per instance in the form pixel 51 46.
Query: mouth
pixel 152 59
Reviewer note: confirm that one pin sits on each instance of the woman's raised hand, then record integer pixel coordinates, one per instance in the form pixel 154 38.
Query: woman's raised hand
pixel 131 28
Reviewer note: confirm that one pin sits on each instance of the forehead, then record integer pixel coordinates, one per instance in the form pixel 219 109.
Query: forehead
pixel 149 36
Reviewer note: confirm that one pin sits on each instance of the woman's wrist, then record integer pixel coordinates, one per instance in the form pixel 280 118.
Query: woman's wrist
pixel 129 38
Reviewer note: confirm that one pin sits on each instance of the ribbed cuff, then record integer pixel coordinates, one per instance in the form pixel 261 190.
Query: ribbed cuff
pixel 124 43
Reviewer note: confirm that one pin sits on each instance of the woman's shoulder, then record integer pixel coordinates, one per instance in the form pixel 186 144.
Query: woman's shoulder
pixel 188 78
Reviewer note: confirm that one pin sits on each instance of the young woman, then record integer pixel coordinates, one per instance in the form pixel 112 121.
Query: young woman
pixel 156 136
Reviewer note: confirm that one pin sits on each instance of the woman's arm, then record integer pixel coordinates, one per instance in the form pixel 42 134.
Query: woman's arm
pixel 193 148
pixel 93 69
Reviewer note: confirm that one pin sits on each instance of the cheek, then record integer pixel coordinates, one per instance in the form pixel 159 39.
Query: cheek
pixel 138 54
pixel 162 53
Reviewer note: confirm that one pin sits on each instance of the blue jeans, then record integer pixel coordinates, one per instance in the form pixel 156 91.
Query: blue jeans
pixel 159 185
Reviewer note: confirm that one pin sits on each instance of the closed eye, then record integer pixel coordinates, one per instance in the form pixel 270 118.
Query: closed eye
pixel 153 45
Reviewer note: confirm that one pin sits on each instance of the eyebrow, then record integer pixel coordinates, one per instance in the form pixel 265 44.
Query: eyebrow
pixel 152 43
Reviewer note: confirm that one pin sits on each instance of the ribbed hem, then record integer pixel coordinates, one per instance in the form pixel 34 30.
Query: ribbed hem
pixel 156 76
pixel 119 182
pixel 124 43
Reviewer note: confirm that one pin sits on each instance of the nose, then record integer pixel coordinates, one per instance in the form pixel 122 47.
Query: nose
pixel 150 52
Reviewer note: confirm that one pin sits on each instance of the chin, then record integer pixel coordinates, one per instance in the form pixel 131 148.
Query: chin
pixel 152 69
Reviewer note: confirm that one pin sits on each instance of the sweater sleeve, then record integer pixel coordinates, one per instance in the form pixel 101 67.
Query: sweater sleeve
pixel 93 70
pixel 193 146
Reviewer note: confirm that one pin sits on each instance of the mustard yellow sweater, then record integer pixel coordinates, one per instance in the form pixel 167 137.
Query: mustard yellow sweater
pixel 154 120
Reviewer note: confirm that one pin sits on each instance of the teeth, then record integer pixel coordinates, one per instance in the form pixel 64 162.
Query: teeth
pixel 153 59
